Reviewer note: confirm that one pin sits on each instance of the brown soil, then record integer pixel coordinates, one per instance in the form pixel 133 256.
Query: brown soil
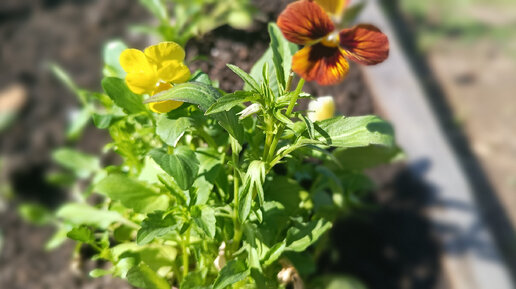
pixel 387 247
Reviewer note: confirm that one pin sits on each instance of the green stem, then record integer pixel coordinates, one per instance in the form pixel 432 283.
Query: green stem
pixel 237 226
pixel 207 138
pixel 277 136
pixel 268 138
pixel 184 250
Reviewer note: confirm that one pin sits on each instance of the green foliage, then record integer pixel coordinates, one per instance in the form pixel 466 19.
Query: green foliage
pixel 182 165
pixel 132 194
pixel 203 198
pixel 81 164
pixel 35 214
pixel 185 19
pixel 233 272
pixel 116 89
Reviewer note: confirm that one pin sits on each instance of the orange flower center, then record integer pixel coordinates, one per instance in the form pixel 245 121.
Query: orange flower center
pixel 331 40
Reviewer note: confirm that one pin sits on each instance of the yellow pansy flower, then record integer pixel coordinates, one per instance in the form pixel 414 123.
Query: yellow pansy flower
pixel 155 70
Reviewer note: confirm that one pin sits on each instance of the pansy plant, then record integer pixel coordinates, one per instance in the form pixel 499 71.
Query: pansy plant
pixel 221 189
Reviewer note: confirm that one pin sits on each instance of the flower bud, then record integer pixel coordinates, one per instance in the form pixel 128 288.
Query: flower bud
pixel 321 108
pixel 252 109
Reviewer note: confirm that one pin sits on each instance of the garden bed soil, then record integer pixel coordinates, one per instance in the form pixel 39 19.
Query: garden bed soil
pixel 389 246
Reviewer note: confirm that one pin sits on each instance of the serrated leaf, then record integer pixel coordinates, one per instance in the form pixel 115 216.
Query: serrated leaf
pixel 301 236
pixel 172 130
pixel 204 218
pixel 82 234
pixel 132 194
pixel 197 93
pixel 358 131
pixel 155 226
pixel 248 79
pixel 282 51
pixel 142 276
pixel 233 272
pixel 118 91
pixel 204 96
pixel 274 253
pixel 253 184
pixel 231 100
pixel 182 165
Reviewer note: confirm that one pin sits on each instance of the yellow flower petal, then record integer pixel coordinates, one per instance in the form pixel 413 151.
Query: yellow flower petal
pixel 164 51
pixel 133 60
pixel 141 82
pixel 334 7
pixel 174 71
pixel 164 106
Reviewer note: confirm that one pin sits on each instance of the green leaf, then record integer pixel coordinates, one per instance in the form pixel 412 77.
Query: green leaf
pixel 82 234
pixel 274 253
pixel 204 218
pixel 182 165
pixel 265 62
pixel 248 79
pixel 155 226
pixel 81 164
pixel 233 272
pixel 84 214
pixel 282 51
pixel 35 214
pixel 132 194
pixel 116 89
pixel 358 131
pixel 142 276
pixel 194 280
pixel 303 235
pixel 78 123
pixel 196 93
pixel 199 76
pixel 204 96
pixel 172 130
pixel 253 184
pixel 65 78
pixel 360 158
pixel 309 126
pixel 104 121
pixel 231 100
pixel 111 54
pixel 290 193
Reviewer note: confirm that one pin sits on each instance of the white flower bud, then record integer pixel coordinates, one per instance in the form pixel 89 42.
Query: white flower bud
pixel 252 109
pixel 220 261
pixel 321 108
